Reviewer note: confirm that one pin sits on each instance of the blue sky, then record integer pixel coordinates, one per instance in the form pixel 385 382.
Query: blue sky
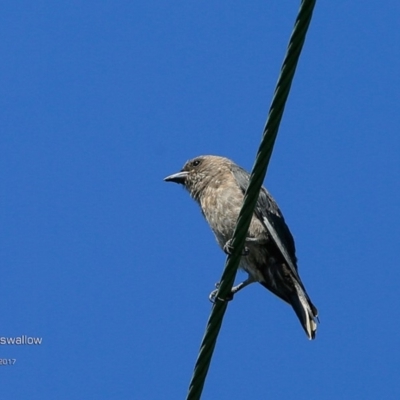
pixel 112 267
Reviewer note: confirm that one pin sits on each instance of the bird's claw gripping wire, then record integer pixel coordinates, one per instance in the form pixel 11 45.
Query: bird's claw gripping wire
pixel 228 248
pixel 213 295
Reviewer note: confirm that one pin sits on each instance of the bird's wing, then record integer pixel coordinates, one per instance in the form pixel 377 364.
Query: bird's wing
pixel 269 214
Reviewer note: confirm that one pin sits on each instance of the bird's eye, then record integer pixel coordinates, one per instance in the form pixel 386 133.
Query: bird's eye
pixel 196 163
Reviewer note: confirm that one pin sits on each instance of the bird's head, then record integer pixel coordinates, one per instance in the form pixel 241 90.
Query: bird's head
pixel 198 172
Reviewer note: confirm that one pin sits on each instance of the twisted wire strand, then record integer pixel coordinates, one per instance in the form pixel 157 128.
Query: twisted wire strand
pixel 256 180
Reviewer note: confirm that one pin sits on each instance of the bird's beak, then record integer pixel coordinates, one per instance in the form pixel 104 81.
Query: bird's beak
pixel 179 177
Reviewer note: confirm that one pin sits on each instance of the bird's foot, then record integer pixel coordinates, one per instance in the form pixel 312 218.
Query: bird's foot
pixel 228 248
pixel 213 295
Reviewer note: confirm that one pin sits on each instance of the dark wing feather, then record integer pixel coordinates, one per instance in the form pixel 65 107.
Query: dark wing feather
pixel 267 211
pixel 266 207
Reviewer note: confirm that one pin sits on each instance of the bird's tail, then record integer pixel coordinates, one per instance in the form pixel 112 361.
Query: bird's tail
pixel 288 286
pixel 304 309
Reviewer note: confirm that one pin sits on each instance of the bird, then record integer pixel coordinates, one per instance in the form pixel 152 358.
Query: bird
pixel 218 185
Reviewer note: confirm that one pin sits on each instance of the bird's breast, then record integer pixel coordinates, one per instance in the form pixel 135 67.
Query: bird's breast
pixel 221 206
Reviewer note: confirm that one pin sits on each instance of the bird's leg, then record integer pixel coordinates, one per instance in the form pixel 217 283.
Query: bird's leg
pixel 253 240
pixel 228 248
pixel 243 284
pixel 213 295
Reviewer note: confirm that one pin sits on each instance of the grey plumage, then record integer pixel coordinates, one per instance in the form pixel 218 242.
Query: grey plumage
pixel 218 185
